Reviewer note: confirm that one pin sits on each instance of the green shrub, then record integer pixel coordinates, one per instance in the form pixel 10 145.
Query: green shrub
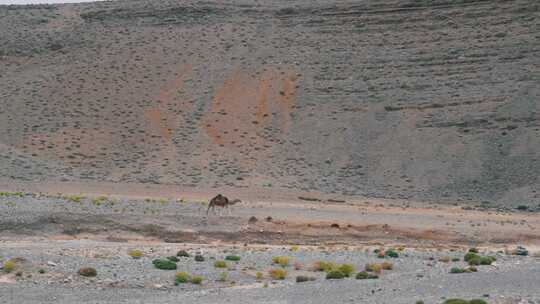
pixel 232 258
pixel 278 273
pixel 392 253
pixel 456 301
pixel 199 258
pixel 470 255
pixel 87 272
pixel 363 275
pixel 220 264
pixel 346 269
pixel 41 270
pixel 300 279
pixel 481 260
pixel 477 301
pixel 136 254
pixel 487 260
pixel 419 302
pixel 197 279
pixel 172 258
pixel 183 254
pixel 164 264
pixel 334 274
pixel 9 265
pixel 474 261
pixel 473 250
pixel 182 277
pixel 283 261
pixel 457 270
pixel 455 259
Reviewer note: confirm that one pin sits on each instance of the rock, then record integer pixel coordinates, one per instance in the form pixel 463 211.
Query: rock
pixel 521 251
pixel 252 220
pixel 53 264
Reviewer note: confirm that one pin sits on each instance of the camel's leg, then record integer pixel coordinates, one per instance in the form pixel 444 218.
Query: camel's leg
pixel 229 208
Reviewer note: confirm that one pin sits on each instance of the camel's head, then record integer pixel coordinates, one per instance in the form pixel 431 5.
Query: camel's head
pixel 235 201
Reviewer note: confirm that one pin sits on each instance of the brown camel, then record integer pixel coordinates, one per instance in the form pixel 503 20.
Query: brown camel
pixel 221 201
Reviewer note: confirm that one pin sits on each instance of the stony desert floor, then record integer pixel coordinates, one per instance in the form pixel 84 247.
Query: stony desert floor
pixel 52 235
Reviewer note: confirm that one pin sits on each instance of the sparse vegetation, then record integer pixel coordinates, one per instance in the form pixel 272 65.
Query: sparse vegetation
pixel 73 198
pixel 363 275
pixel 87 272
pixel 135 253
pixel 475 259
pixel 259 275
pixel 323 266
pixel 99 200
pixel 461 301
pixel 477 301
pixel 457 270
pixel 301 279
pixel 183 254
pixel 392 253
pixel 373 267
pixel 282 261
pixel 469 256
pixel 19 194
pixel 232 258
pixel 199 258
pixel 277 273
pixel 346 269
pixel 220 264
pixel 173 258
pixel 182 277
pixel 197 279
pixel 164 264
pixel 456 301
pixel 334 274
pixel 9 265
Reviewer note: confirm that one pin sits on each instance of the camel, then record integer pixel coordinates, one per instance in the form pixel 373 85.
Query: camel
pixel 221 201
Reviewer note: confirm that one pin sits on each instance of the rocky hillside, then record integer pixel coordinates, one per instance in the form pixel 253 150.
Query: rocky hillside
pixel 423 99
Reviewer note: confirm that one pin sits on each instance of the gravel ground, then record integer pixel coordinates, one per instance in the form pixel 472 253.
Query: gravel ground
pixel 62 233
pixel 417 275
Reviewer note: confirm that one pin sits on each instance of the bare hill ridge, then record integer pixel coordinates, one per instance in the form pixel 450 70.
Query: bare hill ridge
pixel 435 100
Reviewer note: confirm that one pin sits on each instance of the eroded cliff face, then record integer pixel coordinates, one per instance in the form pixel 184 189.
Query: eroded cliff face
pixel 434 100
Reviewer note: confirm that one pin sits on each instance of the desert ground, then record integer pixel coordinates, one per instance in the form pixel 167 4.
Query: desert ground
pixel 53 235
pixel 383 151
